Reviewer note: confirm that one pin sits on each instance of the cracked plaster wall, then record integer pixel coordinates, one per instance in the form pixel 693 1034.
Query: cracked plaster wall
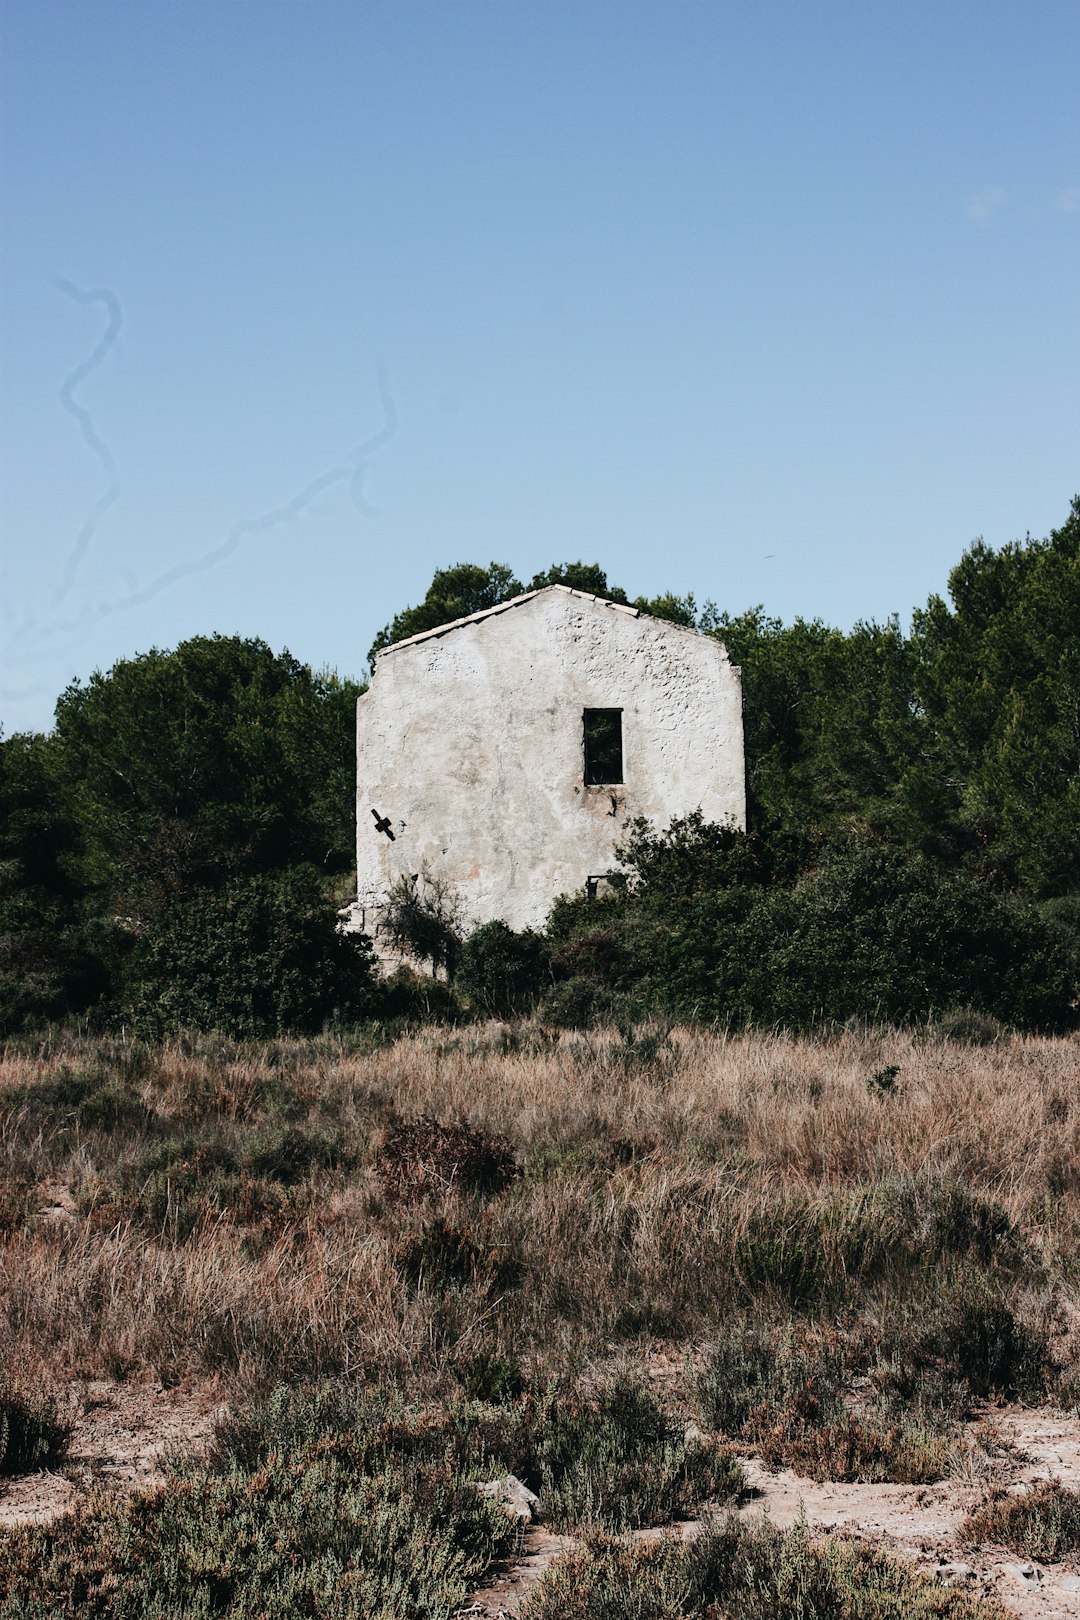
pixel 470 742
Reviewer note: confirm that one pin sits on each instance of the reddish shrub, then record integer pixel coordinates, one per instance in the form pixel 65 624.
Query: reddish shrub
pixel 419 1157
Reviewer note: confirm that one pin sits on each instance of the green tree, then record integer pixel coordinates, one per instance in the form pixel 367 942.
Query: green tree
pixel 53 956
pixel 677 609
pixel 997 782
pixel 188 768
pixel 580 576
pixel 830 725
pixel 260 956
pixel 591 577
pixel 454 593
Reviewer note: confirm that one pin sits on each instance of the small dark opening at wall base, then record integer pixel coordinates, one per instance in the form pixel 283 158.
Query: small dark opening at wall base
pixel 603 747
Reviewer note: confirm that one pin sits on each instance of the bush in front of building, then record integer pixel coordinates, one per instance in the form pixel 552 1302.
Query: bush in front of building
pixel 502 971
pixel 873 933
pixel 259 957
pixel 702 930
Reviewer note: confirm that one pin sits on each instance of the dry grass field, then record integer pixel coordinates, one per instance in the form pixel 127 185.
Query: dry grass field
pixel 835 1257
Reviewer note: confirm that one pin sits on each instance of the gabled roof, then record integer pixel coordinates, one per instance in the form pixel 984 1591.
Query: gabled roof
pixel 516 601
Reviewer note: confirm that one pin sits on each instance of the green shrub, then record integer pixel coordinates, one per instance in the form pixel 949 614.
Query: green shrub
pixel 500 971
pixel 967 1026
pixel 807 1250
pixel 601 954
pixel 491 1377
pixel 858 1451
pixel 611 1458
pixel 883 1081
pixel 642 1049
pixel 32 1435
pixel 183 1182
pixel 289 1153
pixel 979 1338
pixel 1064 913
pixel 445 1254
pixel 1042 1524
pixel 408 998
pixel 188 1196
pixel 747 1570
pixel 870 931
pixel 787 1399
pixel 95 1096
pixel 617 1460
pixel 55 959
pixel 316 1504
pixel 576 1003
pixel 782 1256
pixel 938 1216
pixel 260 956
pixel 290 1421
pixel 420 918
pixel 791 1396
pixel 745 1371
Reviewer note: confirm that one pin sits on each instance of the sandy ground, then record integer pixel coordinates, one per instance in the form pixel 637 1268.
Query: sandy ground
pixel 919 1522
pixel 121 1434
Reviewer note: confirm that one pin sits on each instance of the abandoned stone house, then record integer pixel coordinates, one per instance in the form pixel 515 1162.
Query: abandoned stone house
pixel 500 756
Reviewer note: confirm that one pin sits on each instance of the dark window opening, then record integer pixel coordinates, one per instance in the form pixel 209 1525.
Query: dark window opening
pixel 603 747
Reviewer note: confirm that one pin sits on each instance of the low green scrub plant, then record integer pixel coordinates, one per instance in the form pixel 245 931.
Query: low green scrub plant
pixel 1042 1524
pixel 289 1153
pixel 181 1184
pixel 787 1397
pixel 937 1216
pixel 977 1337
pixel 883 1081
pixel 745 1570
pixel 576 1003
pixel 617 1460
pixel 870 1402
pixel 857 1451
pixel 183 1200
pixel 93 1096
pixel 967 1026
pixel 489 1376
pixel 313 1504
pixel 807 1251
pixel 643 1049
pixel 408 999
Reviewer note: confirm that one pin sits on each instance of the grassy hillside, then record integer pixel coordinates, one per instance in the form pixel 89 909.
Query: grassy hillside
pixel 431 1261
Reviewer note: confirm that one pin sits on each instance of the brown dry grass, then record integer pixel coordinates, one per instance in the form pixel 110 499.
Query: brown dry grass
pixel 651 1183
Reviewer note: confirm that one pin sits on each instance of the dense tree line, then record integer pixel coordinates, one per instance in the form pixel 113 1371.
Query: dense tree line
pixel 961 740
pixel 174 851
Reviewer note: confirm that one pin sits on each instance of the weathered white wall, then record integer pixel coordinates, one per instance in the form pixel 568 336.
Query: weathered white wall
pixel 470 740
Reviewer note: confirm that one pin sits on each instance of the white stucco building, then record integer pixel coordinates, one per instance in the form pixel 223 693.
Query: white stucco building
pixel 503 753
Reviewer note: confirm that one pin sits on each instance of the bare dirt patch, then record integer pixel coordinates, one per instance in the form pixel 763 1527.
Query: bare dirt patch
pixel 121 1435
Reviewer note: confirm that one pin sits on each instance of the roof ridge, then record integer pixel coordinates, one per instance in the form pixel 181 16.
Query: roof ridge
pixel 511 602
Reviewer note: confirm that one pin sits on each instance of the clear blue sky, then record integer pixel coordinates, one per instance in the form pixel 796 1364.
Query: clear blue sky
pixel 774 303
